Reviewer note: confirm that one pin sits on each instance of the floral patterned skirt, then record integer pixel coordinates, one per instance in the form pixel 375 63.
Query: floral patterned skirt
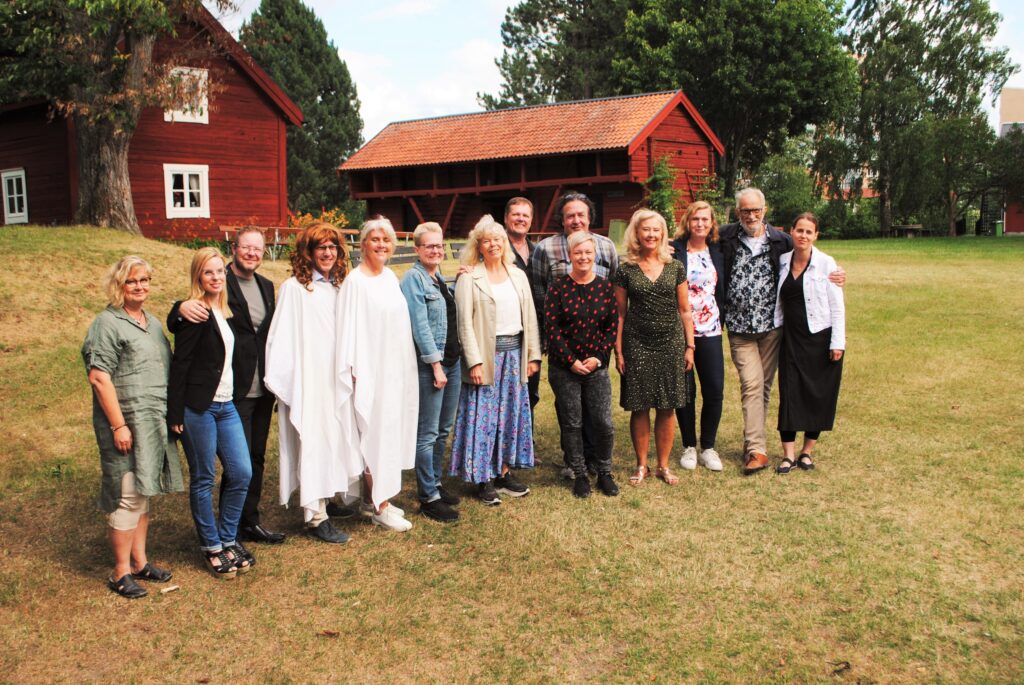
pixel 493 427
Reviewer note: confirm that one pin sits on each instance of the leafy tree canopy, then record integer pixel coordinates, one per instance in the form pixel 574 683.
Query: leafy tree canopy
pixel 290 42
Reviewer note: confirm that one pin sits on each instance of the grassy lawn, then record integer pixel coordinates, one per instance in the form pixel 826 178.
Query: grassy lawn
pixel 897 561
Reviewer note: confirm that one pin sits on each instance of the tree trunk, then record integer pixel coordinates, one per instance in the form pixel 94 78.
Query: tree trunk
pixel 951 212
pixel 104 187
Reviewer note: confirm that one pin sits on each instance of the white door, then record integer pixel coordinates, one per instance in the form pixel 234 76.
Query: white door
pixel 15 197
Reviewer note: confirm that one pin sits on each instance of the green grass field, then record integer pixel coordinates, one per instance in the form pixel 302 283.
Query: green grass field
pixel 897 561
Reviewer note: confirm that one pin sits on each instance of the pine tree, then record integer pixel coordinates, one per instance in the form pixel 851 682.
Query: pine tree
pixel 290 43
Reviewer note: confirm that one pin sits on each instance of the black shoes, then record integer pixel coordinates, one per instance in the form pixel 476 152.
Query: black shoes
pixel 438 510
pixel 152 573
pixel 508 485
pixel 258 533
pixel 325 532
pixel 126 587
pixel 606 484
pixel 244 560
pixel 340 511
pixel 581 487
pixel 488 495
pixel 451 499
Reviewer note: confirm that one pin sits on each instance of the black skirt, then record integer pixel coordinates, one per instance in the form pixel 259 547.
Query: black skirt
pixel 808 379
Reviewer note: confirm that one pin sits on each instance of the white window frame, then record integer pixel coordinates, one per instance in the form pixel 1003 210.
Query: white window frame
pixel 191 114
pixel 14 217
pixel 202 173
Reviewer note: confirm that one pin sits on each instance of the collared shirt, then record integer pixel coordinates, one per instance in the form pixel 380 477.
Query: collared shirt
pixel 550 262
pixel 751 295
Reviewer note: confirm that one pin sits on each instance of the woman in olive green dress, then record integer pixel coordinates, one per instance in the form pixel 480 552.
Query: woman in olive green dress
pixel 128 358
pixel 654 345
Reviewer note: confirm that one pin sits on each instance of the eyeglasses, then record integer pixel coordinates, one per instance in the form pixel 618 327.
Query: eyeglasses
pixel 249 249
pixel 327 247
pixel 751 210
pixel 132 282
pixel 438 246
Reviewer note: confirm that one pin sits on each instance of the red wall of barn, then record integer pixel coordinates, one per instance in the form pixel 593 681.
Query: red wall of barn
pixel 40 148
pixel 243 144
pixel 1014 217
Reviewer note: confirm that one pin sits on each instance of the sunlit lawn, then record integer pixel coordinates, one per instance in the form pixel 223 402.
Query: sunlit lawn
pixel 898 560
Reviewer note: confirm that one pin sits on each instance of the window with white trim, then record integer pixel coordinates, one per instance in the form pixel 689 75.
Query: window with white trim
pixel 15 196
pixel 190 81
pixel 187 191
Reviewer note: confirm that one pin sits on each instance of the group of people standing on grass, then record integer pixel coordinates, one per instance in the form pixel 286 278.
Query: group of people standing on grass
pixel 372 374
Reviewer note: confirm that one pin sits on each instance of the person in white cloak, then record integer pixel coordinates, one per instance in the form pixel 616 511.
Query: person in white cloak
pixel 301 355
pixel 377 371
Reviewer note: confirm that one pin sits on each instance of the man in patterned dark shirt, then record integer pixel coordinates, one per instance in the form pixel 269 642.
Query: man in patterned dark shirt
pixel 751 248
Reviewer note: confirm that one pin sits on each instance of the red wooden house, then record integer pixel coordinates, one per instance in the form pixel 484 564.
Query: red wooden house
pixel 453 169
pixel 223 163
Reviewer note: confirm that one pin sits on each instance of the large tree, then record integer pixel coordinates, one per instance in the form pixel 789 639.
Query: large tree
pixel 93 60
pixel 288 40
pixel 925 65
pixel 559 50
pixel 758 70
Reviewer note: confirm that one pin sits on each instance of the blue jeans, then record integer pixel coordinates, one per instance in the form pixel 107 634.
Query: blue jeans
pixel 437 414
pixel 218 430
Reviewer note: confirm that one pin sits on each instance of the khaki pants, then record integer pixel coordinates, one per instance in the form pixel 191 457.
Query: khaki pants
pixel 756 357
pixel 130 507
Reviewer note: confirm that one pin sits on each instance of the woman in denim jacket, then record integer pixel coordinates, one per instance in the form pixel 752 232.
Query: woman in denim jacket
pixel 435 333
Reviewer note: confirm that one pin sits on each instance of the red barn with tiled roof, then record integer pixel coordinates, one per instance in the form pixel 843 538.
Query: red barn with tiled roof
pixel 190 171
pixel 452 169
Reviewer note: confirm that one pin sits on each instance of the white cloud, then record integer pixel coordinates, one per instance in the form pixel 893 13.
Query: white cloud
pixel 404 8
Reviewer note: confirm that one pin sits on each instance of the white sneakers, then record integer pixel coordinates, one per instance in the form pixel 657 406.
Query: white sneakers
pixel 367 509
pixel 391 518
pixel 709 459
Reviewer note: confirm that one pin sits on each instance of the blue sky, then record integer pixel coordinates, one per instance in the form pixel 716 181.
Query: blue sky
pixel 423 58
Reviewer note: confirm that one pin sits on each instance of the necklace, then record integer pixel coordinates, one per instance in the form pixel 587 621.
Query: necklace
pixel 140 319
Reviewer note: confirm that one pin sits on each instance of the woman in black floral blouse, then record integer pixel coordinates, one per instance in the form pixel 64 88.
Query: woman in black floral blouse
pixel 580 321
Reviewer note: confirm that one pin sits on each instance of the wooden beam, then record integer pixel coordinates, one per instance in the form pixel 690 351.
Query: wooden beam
pixel 433 176
pixel 522 174
pixel 416 208
pixel 597 163
pixel 471 190
pixel 448 214
pixel 551 208
pixel 376 183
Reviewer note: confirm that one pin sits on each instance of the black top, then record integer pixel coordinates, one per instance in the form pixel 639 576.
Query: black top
pixel 196 368
pixel 452 350
pixel 779 243
pixel 250 344
pixel 580 320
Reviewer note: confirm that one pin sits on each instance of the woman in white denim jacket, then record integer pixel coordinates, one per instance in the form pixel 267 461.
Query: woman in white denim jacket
pixel 813 343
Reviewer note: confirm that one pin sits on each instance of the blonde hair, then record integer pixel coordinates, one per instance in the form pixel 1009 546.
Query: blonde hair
pixel 487 227
pixel 683 233
pixel 428 227
pixel 113 283
pixel 631 244
pixel 580 237
pixel 199 260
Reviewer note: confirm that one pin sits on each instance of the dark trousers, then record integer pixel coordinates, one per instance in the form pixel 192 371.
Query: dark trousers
pixel 589 446
pixel 255 413
pixel 573 393
pixel 709 362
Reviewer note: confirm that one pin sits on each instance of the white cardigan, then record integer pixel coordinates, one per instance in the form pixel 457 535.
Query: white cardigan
pixel 824 298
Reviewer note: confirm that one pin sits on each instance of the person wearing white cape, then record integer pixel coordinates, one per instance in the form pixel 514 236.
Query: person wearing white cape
pixel 376 367
pixel 301 354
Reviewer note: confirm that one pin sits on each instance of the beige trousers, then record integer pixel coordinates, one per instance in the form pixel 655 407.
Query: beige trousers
pixel 756 357
pixel 131 506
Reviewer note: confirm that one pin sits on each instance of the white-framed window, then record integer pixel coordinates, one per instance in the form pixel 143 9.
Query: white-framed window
pixel 195 81
pixel 15 196
pixel 187 191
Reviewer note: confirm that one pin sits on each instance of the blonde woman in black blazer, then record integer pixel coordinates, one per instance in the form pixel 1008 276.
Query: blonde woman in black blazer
pixel 200 410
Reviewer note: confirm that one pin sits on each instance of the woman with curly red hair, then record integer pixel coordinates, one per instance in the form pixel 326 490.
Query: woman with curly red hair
pixel 301 354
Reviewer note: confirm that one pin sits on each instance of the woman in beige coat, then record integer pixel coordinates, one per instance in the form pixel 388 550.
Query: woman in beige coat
pixel 500 350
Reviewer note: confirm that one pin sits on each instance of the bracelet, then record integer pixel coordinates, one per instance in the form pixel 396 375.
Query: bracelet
pixel 123 425
pixel 691 347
